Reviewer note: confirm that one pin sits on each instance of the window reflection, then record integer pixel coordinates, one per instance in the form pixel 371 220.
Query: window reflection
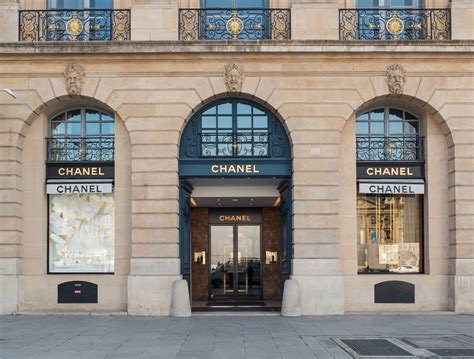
pixel 389 233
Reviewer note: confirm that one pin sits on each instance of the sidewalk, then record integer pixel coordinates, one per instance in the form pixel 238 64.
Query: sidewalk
pixel 91 337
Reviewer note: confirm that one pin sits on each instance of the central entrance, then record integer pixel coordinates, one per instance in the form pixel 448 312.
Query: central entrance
pixel 235 206
pixel 236 265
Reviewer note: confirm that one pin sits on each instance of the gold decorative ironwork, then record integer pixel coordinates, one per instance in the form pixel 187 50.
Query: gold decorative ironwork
pixel 395 25
pixel 234 25
pixel 74 27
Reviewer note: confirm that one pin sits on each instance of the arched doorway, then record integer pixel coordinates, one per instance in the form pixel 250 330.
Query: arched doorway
pixel 235 203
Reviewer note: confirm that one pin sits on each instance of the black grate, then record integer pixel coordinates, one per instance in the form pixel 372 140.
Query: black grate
pixel 453 352
pixel 374 347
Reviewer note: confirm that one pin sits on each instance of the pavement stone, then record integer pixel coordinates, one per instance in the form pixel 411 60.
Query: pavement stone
pixel 207 337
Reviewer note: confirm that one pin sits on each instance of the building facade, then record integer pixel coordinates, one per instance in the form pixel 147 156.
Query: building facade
pixel 237 145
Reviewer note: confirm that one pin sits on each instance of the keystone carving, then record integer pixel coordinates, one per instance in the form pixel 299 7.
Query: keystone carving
pixel 74 79
pixel 233 78
pixel 395 78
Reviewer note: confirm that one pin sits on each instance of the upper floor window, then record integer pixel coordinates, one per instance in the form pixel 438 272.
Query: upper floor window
pixel 81 134
pixel 413 4
pixel 388 134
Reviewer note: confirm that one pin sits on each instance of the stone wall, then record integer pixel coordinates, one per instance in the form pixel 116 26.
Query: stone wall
pixel 316 88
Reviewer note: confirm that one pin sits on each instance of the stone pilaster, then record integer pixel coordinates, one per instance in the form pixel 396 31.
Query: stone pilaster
pixel 154 20
pixel 8 21
pixel 314 19
pixel 462 19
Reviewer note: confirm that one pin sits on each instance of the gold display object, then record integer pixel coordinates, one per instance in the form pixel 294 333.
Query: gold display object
pixel 74 26
pixel 395 25
pixel 234 25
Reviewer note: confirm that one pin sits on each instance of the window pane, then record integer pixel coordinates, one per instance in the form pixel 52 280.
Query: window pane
pixel 260 122
pixel 377 128
pixel 396 128
pixel 390 233
pixel 395 115
pixel 244 122
pixel 58 128
pixel 377 115
pixel 225 122
pixel 211 111
pixel 260 149
pixel 409 116
pixel 363 117
pixel 411 127
pixel 74 116
pixel 244 149
pixel 243 109
pixel 362 128
pixel 367 3
pixel 225 109
pixel 92 115
pixel 93 128
pixel 208 122
pixel 74 129
pixel 108 128
pixel 81 233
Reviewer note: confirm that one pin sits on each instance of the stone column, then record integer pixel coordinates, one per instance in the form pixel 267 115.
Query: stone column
pixel 154 20
pixel 462 19
pixel 315 20
pixel 9 21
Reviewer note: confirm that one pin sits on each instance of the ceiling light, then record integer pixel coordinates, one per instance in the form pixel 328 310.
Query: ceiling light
pixel 277 202
pixel 235 200
pixel 193 202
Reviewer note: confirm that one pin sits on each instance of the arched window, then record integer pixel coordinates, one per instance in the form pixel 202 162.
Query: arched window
pixel 388 134
pixel 79 182
pixel 390 175
pixel 81 134
pixel 236 128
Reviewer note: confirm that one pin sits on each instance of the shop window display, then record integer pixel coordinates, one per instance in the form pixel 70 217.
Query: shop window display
pixel 389 233
pixel 81 233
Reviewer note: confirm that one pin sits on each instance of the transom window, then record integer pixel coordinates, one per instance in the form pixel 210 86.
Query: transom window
pixel 234 129
pixel 81 134
pixel 388 134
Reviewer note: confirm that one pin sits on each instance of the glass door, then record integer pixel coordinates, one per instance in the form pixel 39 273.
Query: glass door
pixel 231 278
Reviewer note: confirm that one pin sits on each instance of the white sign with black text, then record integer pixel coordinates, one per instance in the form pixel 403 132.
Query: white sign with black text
pixel 391 188
pixel 78 188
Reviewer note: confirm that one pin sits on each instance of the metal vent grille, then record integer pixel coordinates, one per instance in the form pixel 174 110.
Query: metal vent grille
pixel 375 347
pixel 453 352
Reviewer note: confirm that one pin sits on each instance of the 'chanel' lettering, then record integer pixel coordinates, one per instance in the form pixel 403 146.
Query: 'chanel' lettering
pixel 389 171
pixel 234 169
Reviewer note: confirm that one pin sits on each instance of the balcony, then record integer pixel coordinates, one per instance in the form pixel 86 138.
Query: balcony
pixel 80 149
pixel 74 25
pixel 395 24
pixel 390 148
pixel 234 24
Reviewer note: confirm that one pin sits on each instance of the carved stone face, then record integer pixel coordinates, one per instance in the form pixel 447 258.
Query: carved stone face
pixel 395 79
pixel 233 78
pixel 73 79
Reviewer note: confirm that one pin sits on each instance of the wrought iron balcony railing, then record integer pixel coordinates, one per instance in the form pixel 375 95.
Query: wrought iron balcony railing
pixel 234 24
pixel 394 24
pixel 74 25
pixel 390 148
pixel 244 143
pixel 77 149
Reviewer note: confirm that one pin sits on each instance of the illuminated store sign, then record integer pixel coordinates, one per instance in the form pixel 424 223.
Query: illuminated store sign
pixel 80 171
pixel 234 169
pixel 235 215
pixel 382 171
pixel 391 188
pixel 78 188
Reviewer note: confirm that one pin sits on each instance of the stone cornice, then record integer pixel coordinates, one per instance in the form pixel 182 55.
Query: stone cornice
pixel 281 47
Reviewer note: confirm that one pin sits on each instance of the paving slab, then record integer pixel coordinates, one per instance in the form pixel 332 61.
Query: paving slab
pixel 91 337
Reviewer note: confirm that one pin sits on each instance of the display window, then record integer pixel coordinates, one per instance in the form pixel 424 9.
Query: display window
pixel 81 233
pixel 390 233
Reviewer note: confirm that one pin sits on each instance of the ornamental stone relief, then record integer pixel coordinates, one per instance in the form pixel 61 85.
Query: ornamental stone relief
pixel 395 78
pixel 233 78
pixel 74 79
